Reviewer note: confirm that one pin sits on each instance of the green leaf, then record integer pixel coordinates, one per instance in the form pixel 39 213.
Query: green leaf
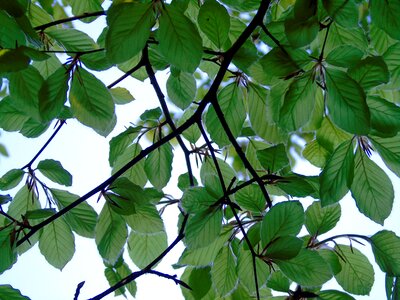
pixel 284 247
pixel 129 29
pixel 203 228
pixel 330 136
pixel 301 32
pixel 200 282
pixel 11 179
pixel 151 114
pixel 386 248
pixel 297 185
pixel 339 35
pixel 371 189
pixel 5 199
pixel 385 116
pixel 7 292
pixel 11 118
pixel 344 12
pixel 144 248
pixel 357 274
pixel 344 56
pixel 54 171
pixel 124 271
pixel 214 21
pixel 208 168
pixel 320 220
pixel 192 134
pixel 392 287
pixel 251 198
pixel 80 7
pixel 380 40
pixel 121 95
pixel 184 182
pixel 285 218
pixel 334 295
pixel 13 60
pixel 57 243
pixel 331 257
pixel 113 278
pixel 72 39
pixel 181 88
pixel 274 158
pixel 111 234
pixel 146 220
pixel 196 199
pixel 91 102
pixel 389 150
pixel 385 15
pixel 53 94
pixel 315 153
pixel 230 99
pixel 24 91
pixel 308 268
pixel 299 102
pixel 33 128
pixel 8 253
pixel 40 213
pixel 223 271
pixel 391 57
pixel 278 282
pixel 346 103
pixel 337 176
pixel 158 166
pixel 179 40
pixel 370 72
pixel 82 218
pixel 119 143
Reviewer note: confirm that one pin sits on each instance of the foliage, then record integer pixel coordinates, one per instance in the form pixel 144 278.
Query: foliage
pixel 252 86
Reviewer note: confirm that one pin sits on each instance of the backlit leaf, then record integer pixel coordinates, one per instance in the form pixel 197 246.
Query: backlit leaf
pixel 301 32
pixel 344 12
pixel 85 6
pixel 274 158
pixel 320 220
pixel 344 56
pixel 158 166
pixel 370 72
pixel 119 143
pixel 386 247
pixel 389 150
pixel 385 116
pixel 11 179
pixel 223 271
pixel 54 171
pixel 181 89
pixel 121 95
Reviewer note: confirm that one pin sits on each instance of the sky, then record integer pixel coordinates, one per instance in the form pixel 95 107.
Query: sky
pixel 85 155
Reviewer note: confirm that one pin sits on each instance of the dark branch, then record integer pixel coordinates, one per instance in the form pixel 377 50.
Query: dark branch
pixel 66 20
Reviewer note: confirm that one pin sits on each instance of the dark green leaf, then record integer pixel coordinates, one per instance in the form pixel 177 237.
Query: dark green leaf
pixel 181 89
pixel 7 292
pixel 320 220
pixel 385 15
pixel 278 282
pixel 54 171
pixel 40 213
pixel 274 158
pixel 344 12
pixel 196 199
pixel 389 150
pixel 8 253
pixel 385 116
pixel 13 60
pixel 344 56
pixel 370 72
pixel 284 247
pixel 391 57
pixel 11 179
pixel 334 295
pixel 301 32
pixel 386 247
pixel 200 282
pixel 151 114
pixel 184 181
pixel 5 199
pixel 119 143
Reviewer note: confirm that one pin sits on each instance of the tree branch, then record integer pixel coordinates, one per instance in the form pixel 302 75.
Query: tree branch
pixel 66 20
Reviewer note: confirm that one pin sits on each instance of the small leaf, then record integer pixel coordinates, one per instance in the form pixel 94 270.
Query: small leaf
pixel 320 220
pixel 181 89
pixel 179 40
pixel 284 247
pixel 124 271
pixel 251 198
pixel 315 153
pixel 371 189
pixel 5 199
pixel 121 95
pixel 278 282
pixel 274 158
pixel 330 136
pixel 11 118
pixel 11 179
pixel 8 253
pixel 158 166
pixel 386 248
pixel 146 220
pixel 54 171
pixel 57 243
pixel 8 292
pixel 119 143
pixel 334 295
pixel 196 199
pixel 370 72
pixel 200 282
pixel 184 182
pixel 84 6
pixel 40 213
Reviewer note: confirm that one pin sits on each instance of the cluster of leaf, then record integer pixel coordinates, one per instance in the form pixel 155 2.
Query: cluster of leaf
pixel 268 74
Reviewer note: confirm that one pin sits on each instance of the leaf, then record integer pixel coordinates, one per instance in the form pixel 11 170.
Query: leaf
pixel 274 158
pixel 339 35
pixel 214 21
pixel 344 56
pixel 285 218
pixel 200 282
pixel 357 274
pixel 80 7
pixel 246 272
pixel 40 213
pixel 192 134
pixel 196 199
pixel 91 102
pixel 278 282
pixel 11 118
pixel 391 57
pixel 7 292
pixel 144 248
pixel 334 295
pixel 386 248
pixel 330 136
pixel 301 32
pixel 113 278
pixel 13 60
pixel 121 95
pixel 389 150
pixel 203 228
pixel 320 220
pixel 370 72
pixel 223 271
pixel 346 103
pixel 230 99
pixel 344 12
pixel 251 198
pixel 8 253
pixel 371 189
pixel 315 153
pixel 53 94
pixel 82 218
pixel 184 182
pixel 284 248
pixel 337 176
pixel 158 166
pixel 111 234
pixel 308 268
pixel 11 179
pixel 145 220
pixel 57 243
pixel 385 15
pixel 181 88
pixel 54 171
pixel 385 116
pixel 124 271
pixel 180 42
pixel 299 102
pixel 72 39
pixel 119 143
pixel 129 29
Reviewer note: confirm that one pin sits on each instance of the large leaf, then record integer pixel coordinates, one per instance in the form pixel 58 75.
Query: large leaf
pixel 320 220
pixel 386 247
pixel 8 254
pixel 308 268
pixel 181 88
pixel 57 243
pixel 285 218
pixel 344 12
pixel 337 176
pixel 251 198
pixel 82 218
pixel 196 199
pixel 344 56
pixel 144 248
pixel 179 40
pixel 223 271
pixel 72 39
pixel 357 274
pixel 54 171
pixel 145 220
pixel 158 166
pixel 111 234
pixel 385 116
pixel 11 119
pixel 299 103
pixel 371 189
pixel 91 102
pixel 230 99
pixel 346 103
pixel 7 292
pixel 214 21
pixel 129 29
pixel 339 35
pixel 370 72
pixel 391 57
pixel 301 32
pixel 284 248
pixel 389 150
pixel 385 15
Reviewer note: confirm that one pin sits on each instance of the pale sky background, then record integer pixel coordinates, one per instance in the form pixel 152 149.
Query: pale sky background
pixel 85 155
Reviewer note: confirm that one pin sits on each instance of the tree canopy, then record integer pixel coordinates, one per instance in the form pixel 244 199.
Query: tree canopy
pixel 253 87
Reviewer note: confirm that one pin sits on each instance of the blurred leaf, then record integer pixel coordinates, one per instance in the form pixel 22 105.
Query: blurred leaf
pixel 385 15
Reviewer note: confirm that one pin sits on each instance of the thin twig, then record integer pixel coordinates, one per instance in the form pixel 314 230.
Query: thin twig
pixel 66 20
pixel 349 236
